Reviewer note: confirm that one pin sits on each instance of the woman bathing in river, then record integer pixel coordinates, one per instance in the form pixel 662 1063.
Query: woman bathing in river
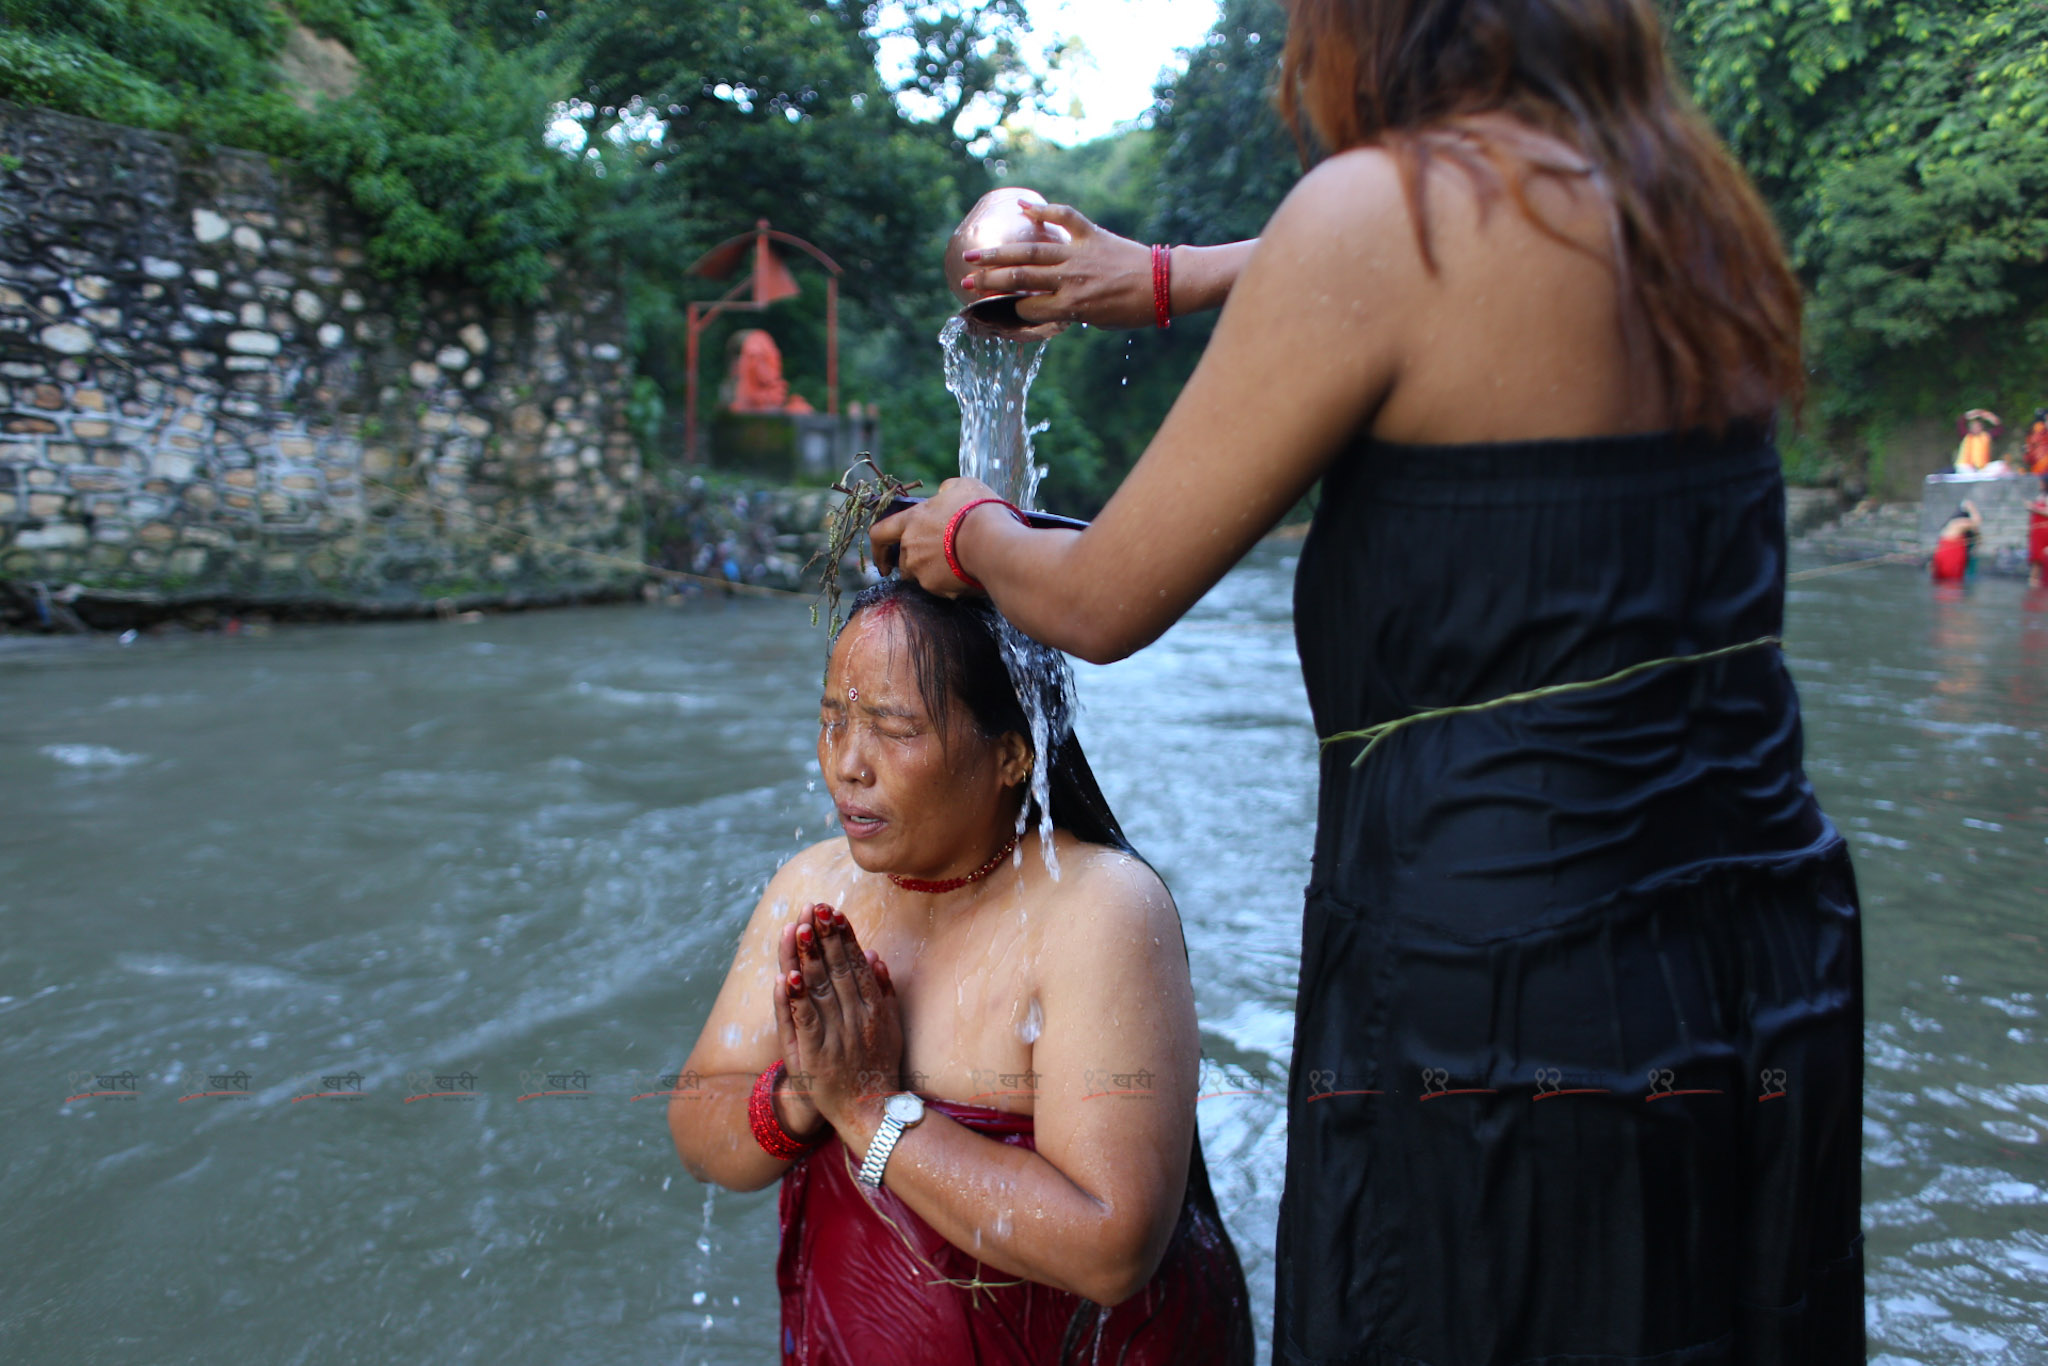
pixel 1577 1059
pixel 1049 1202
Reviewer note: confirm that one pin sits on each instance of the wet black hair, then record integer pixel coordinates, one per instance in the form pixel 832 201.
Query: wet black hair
pixel 957 653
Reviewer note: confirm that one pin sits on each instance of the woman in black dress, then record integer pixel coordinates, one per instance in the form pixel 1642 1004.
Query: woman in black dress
pixel 1578 1051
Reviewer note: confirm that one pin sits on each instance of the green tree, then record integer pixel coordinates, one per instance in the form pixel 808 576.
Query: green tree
pixel 1904 147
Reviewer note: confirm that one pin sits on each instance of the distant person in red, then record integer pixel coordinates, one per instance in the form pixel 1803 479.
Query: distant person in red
pixel 2036 456
pixel 1955 549
pixel 2037 537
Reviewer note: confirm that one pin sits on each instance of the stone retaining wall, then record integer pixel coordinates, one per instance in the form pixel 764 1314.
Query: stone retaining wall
pixel 207 396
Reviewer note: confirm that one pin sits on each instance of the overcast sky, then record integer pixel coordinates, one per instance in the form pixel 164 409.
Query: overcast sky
pixel 1127 41
pixel 1115 50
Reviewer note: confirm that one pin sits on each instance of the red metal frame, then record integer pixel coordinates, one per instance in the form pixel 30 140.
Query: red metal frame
pixel 720 262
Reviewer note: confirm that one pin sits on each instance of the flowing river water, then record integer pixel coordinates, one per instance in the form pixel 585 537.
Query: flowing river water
pixel 519 851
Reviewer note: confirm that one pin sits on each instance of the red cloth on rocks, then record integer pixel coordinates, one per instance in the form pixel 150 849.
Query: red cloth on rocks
pixel 856 1273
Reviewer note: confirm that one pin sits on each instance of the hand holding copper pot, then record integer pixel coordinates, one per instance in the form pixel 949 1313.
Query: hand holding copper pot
pixel 998 220
pixel 1088 275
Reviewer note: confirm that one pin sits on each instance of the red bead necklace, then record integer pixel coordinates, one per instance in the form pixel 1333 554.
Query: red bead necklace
pixel 953 884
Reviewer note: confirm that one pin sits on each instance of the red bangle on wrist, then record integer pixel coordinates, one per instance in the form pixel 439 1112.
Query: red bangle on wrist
pixel 775 1140
pixel 953 530
pixel 1162 285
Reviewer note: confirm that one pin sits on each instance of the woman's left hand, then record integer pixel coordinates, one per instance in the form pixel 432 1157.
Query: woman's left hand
pixel 841 1025
pixel 915 541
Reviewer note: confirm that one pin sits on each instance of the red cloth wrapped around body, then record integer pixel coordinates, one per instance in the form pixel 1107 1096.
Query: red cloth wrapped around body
pixel 1951 559
pixel 865 1281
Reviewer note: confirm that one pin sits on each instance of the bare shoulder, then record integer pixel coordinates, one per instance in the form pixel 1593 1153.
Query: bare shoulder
pixel 1108 905
pixel 817 873
pixel 1351 205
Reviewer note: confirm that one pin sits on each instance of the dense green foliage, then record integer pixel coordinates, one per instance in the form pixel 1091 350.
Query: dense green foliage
pixel 1903 145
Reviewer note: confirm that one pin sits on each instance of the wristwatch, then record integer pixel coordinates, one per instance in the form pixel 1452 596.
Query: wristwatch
pixel 899 1112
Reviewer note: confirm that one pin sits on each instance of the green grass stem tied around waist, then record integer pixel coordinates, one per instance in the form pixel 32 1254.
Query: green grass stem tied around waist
pixel 1373 735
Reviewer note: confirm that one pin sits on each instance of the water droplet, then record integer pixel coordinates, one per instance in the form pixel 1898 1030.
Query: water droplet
pixel 1033 1023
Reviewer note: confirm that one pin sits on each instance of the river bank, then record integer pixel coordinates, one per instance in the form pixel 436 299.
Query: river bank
pixel 721 534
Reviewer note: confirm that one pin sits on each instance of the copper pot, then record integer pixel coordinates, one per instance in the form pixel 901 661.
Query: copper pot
pixel 997 220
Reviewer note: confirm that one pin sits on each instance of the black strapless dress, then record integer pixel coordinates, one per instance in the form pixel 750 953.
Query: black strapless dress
pixel 1578 1053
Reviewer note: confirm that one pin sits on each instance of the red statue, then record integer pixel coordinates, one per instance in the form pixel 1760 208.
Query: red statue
pixel 756 378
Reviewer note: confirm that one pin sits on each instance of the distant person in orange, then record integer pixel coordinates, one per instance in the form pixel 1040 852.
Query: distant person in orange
pixel 1975 451
pixel 2035 459
pixel 2037 536
pixel 1956 547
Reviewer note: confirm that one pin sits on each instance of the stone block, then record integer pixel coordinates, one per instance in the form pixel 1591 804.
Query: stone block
pixel 157 534
pixel 173 465
pixel 248 239
pixel 209 227
pixel 68 339
pixel 91 428
pixel 64 453
pixel 61 536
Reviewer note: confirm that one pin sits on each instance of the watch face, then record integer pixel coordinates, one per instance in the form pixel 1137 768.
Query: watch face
pixel 904 1107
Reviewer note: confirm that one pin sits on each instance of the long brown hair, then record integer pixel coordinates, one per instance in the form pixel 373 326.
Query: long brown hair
pixel 1698 254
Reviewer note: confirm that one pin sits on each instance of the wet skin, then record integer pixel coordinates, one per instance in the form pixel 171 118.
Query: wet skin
pixel 1073 979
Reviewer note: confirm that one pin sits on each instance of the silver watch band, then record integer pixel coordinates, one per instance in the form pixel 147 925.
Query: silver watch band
pixel 886 1134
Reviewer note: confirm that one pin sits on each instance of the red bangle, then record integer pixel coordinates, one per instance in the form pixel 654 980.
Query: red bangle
pixel 768 1131
pixel 953 529
pixel 1162 285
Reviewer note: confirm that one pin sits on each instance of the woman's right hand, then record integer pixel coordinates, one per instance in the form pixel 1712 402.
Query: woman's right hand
pixel 1098 278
